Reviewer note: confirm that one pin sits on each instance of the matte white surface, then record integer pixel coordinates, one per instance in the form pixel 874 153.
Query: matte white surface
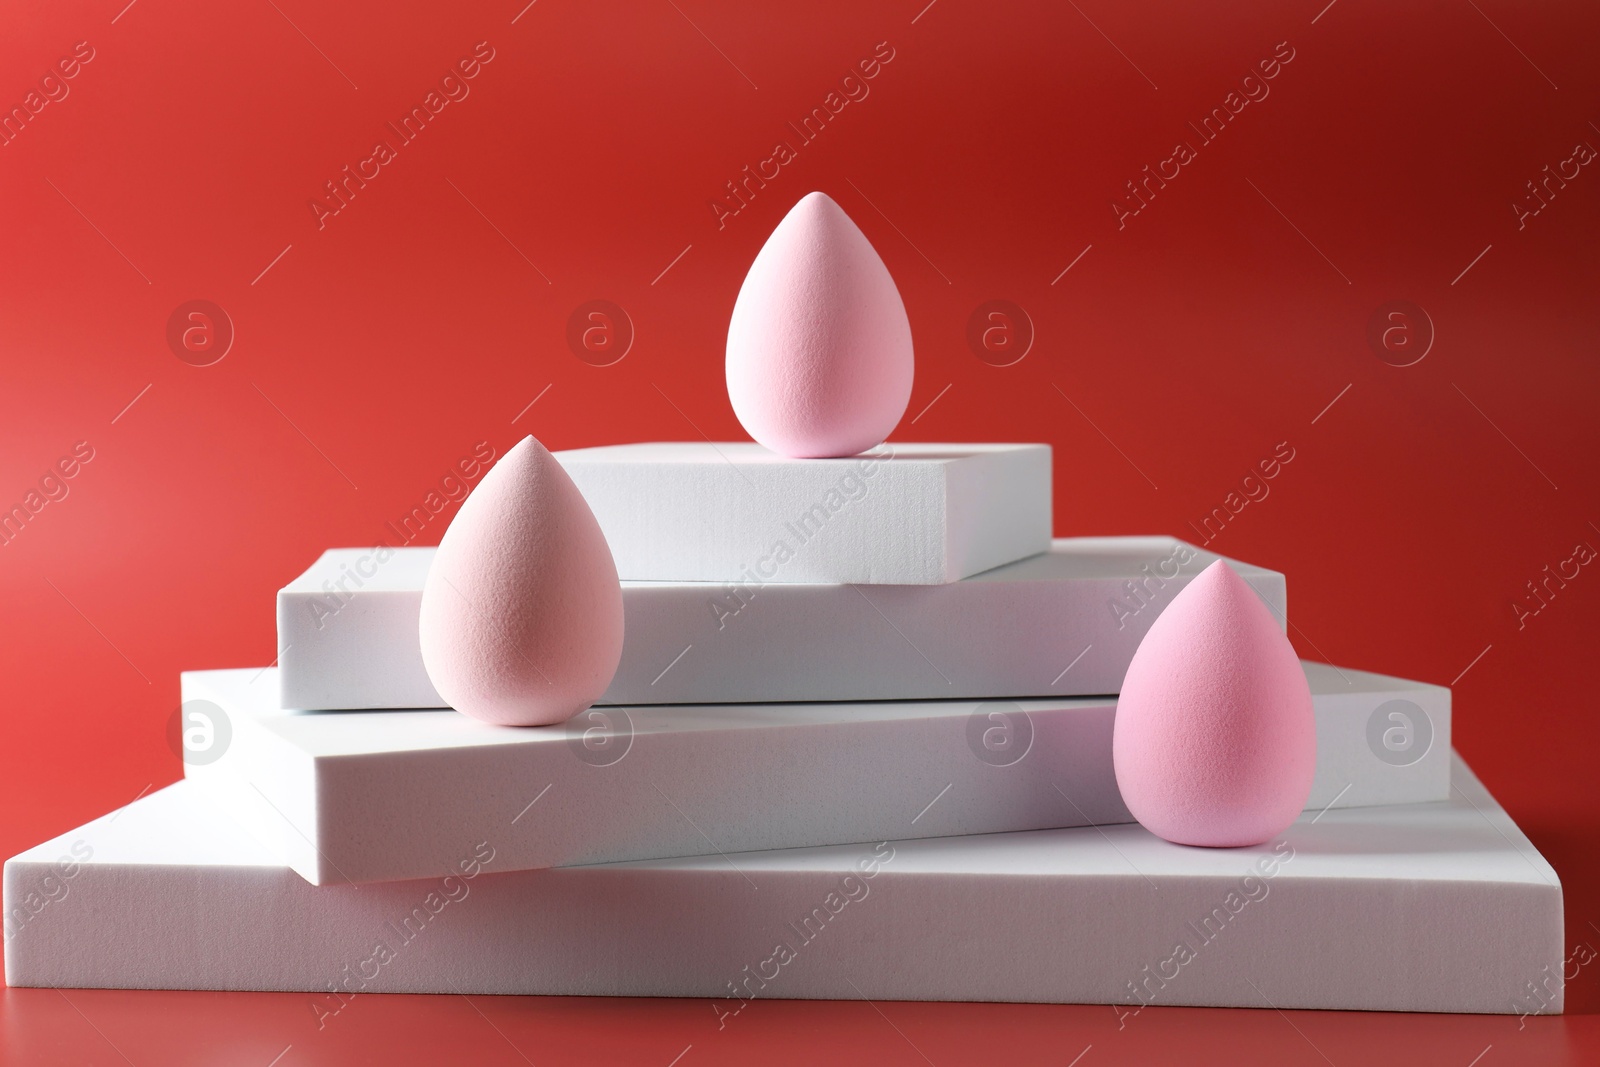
pixel 359 796
pixel 903 514
pixel 1064 623
pixel 1433 907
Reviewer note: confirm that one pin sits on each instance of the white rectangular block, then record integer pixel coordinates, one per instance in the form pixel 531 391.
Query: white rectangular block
pixel 361 796
pixel 1434 907
pixel 1063 623
pixel 902 514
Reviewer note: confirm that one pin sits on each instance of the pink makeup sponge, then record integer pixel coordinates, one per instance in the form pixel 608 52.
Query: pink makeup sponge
pixel 1215 741
pixel 819 347
pixel 522 612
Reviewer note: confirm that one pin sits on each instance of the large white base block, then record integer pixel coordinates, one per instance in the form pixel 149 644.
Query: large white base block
pixel 1438 907
pixel 1064 623
pixel 902 514
pixel 362 796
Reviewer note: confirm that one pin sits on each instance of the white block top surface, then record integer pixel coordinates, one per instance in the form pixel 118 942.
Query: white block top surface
pixel 1468 838
pixel 1076 559
pixel 1068 559
pixel 748 452
pixel 367 796
pixel 403 571
pixel 347 630
pixel 1325 678
pixel 320 734
pixel 176 826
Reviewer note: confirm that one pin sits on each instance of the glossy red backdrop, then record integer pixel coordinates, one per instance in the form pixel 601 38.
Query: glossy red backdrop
pixel 1360 199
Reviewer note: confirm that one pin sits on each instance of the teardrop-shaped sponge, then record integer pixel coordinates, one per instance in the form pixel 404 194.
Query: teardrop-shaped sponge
pixel 819 346
pixel 1215 741
pixel 522 612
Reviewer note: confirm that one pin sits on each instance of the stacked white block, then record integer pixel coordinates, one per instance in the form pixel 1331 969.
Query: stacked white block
pixel 901 514
pixel 1065 622
pixel 1436 907
pixel 363 796
pixel 962 841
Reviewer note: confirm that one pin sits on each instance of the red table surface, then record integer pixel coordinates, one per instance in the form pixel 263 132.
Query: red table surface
pixel 1240 302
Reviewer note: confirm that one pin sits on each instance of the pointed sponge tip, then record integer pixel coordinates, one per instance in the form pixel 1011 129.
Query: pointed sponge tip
pixel 1215 739
pixel 819 359
pixel 521 621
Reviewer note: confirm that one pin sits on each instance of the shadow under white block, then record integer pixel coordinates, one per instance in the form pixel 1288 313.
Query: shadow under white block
pixel 1441 907
pixel 1062 623
pixel 902 514
pixel 362 796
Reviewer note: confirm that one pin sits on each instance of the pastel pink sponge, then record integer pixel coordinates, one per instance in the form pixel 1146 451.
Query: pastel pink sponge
pixel 1215 740
pixel 522 612
pixel 819 346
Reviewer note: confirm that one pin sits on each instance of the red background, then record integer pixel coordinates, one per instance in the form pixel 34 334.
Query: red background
pixel 377 350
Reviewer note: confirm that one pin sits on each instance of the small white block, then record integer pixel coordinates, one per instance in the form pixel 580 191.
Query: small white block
pixel 903 514
pixel 1063 623
pixel 361 796
pixel 1435 907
